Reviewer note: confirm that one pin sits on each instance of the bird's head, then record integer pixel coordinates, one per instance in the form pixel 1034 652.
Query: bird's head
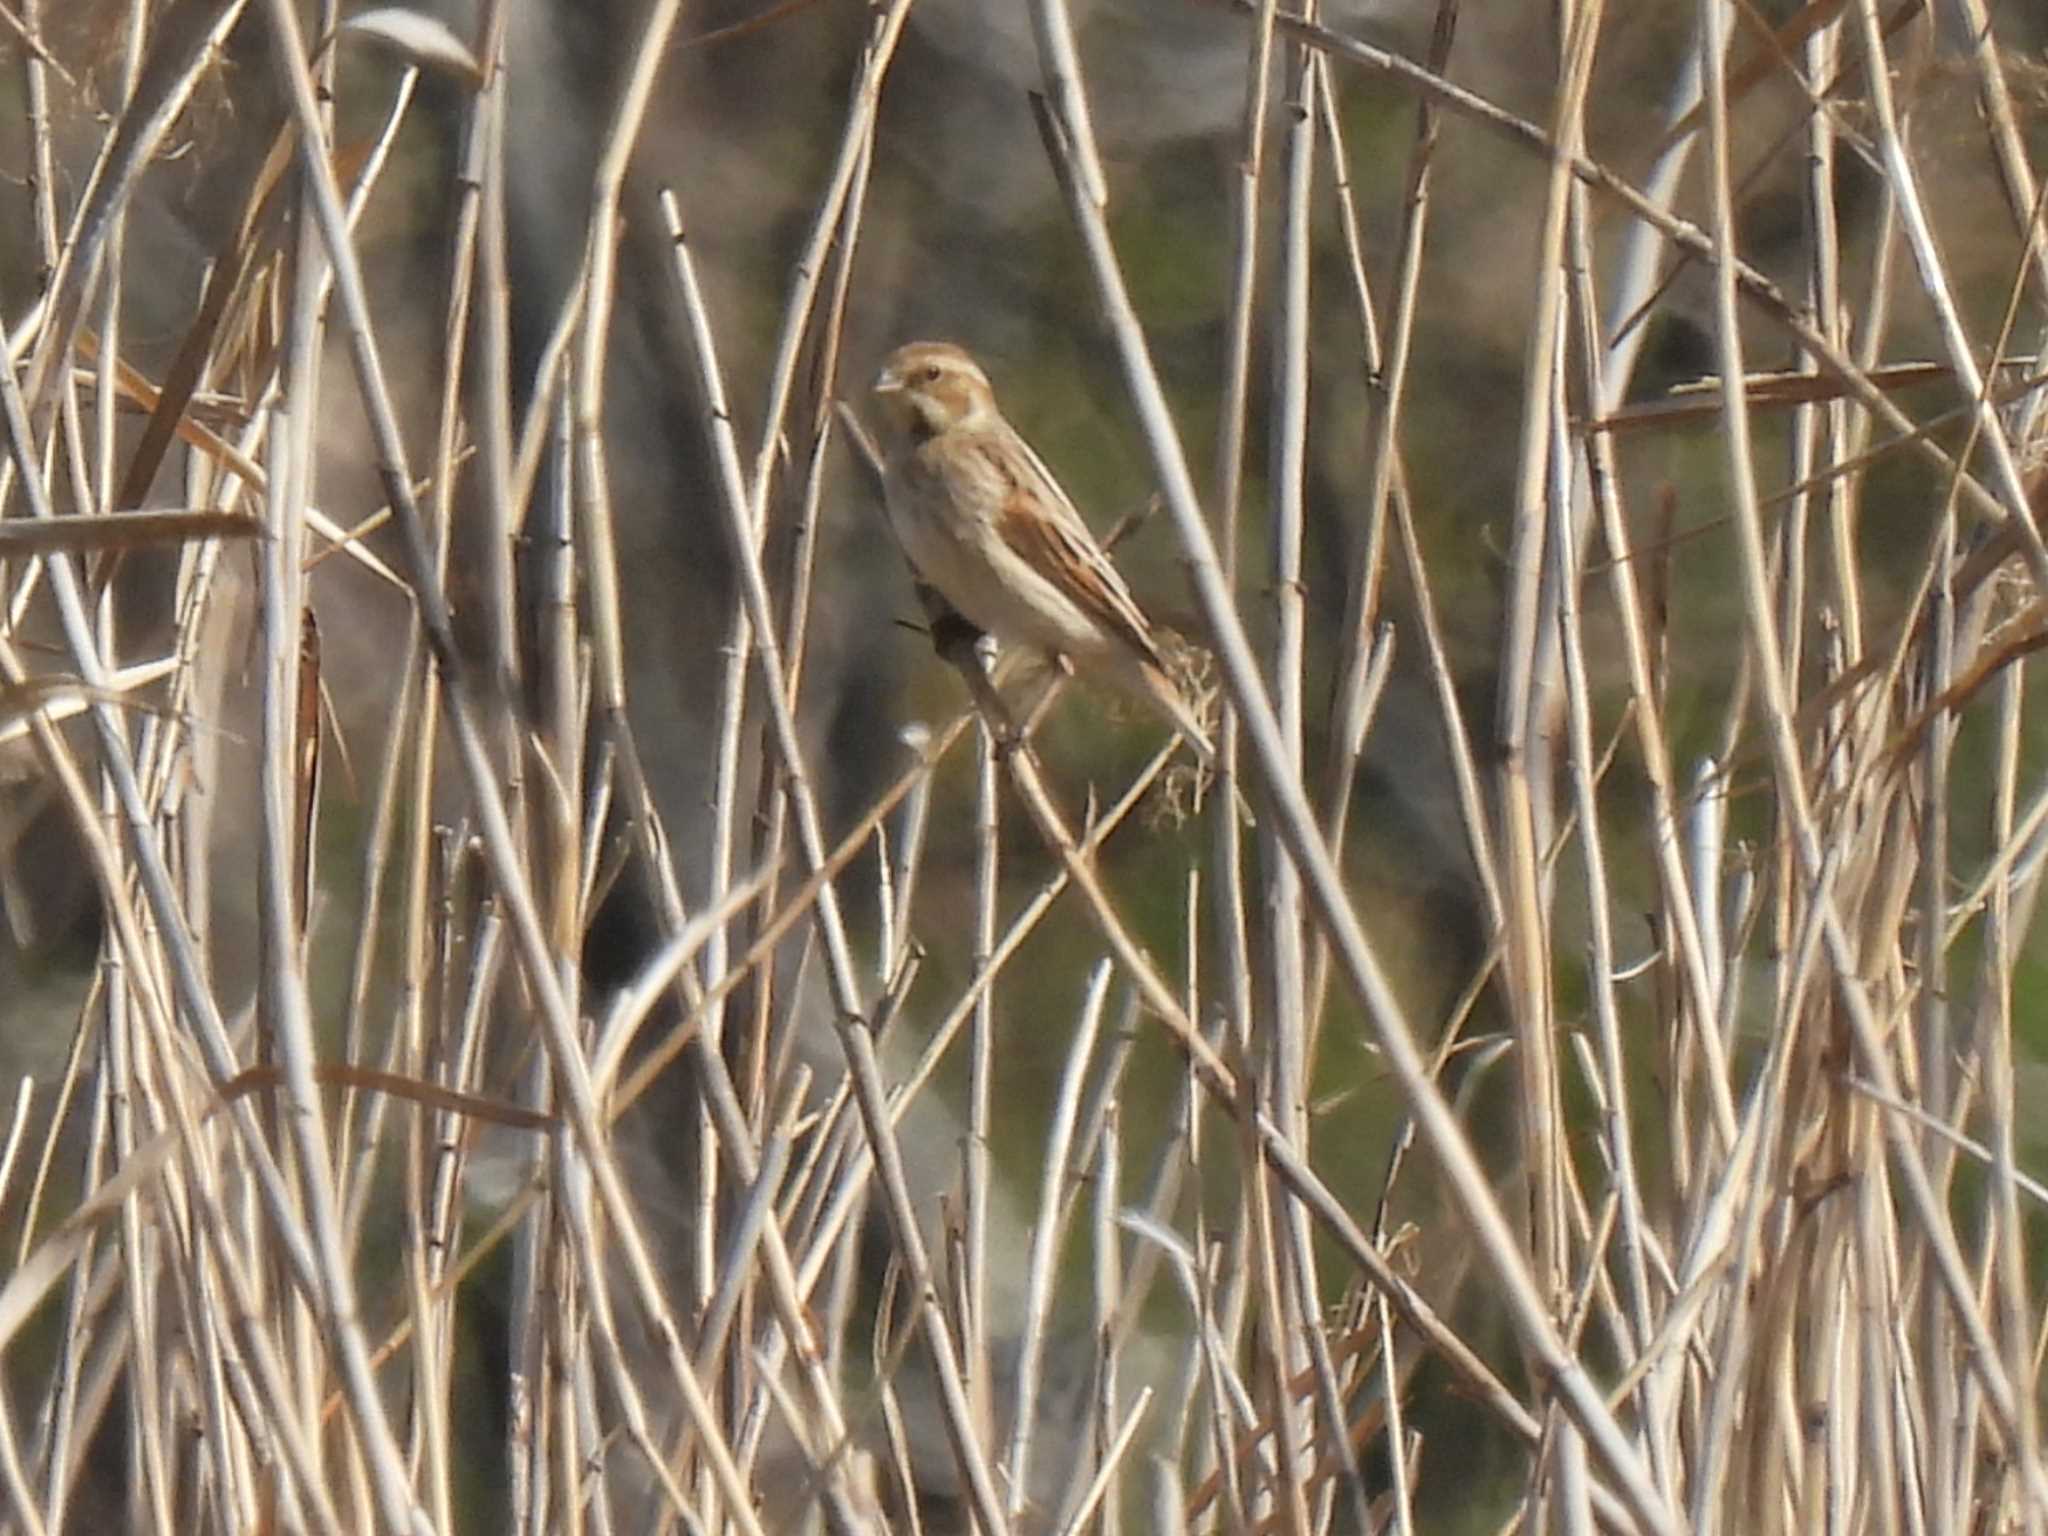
pixel 929 387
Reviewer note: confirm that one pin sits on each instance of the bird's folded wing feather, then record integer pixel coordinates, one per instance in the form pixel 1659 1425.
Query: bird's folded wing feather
pixel 1047 533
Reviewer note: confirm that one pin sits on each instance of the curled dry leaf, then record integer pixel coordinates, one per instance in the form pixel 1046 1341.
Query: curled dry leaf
pixel 420 40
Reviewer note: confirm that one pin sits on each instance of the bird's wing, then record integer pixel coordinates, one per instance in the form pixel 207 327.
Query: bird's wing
pixel 1040 524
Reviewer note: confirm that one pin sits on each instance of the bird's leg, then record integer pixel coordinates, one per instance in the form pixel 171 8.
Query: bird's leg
pixel 958 643
pixel 978 668
pixel 1061 669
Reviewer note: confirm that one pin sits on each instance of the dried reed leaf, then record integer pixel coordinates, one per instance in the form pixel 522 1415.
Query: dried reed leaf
pixel 26 537
pixel 423 41
pixel 306 767
pixel 1699 399
pixel 255 233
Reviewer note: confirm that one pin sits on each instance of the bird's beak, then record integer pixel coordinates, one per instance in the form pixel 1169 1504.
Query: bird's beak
pixel 888 382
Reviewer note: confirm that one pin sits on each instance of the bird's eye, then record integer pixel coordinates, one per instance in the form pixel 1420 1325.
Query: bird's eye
pixel 931 373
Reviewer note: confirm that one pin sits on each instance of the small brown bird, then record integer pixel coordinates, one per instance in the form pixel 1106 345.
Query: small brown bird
pixel 982 520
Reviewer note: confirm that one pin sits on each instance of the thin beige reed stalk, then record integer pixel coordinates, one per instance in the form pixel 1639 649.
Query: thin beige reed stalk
pixel 179 955
pixel 564 1050
pixel 836 227
pixel 284 997
pixel 1281 1497
pixel 797 583
pixel 57 1432
pixel 1205 1412
pixel 36 105
pixel 1304 844
pixel 726 792
pixel 1106 1249
pixel 1174 1169
pixel 1299 1179
pixel 1602 959
pixel 431 1206
pixel 850 1189
pixel 1047 1229
pixel 1936 1231
pixel 1687 237
pixel 1522 719
pixel 910 1249
pixel 1328 1393
pixel 113 281
pixel 795 909
pixel 408 701
pixel 743 1238
pixel 15 1476
pixel 849 166
pixel 284 1022
pixel 745 547
pixel 909 857
pixel 1234 984
pixel 977 1171
pixel 1110 1464
pixel 481 290
pixel 1400 1476
pixel 1676 886
pixel 17 1131
pixel 141 1248
pixel 593 336
pixel 1230 1399
pixel 2000 1095
pixel 744 537
pixel 1736 1338
pixel 1932 1024
pixel 1356 689
pixel 1281 1047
